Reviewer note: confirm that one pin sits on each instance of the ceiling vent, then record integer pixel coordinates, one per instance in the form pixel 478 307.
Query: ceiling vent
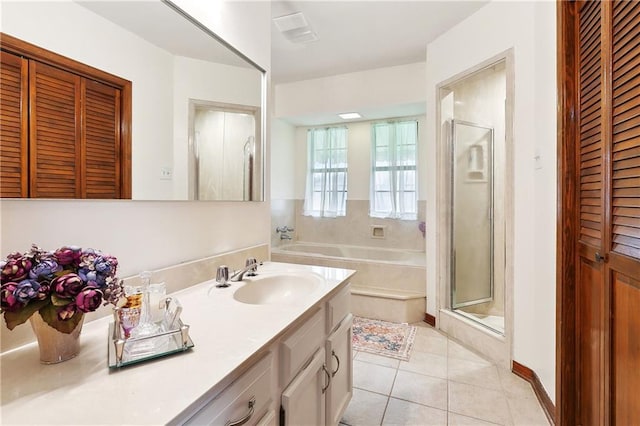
pixel 295 28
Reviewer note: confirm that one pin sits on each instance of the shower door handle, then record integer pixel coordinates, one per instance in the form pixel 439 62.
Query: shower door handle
pixel 453 270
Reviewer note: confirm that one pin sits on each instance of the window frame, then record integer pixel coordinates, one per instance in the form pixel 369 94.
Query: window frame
pixel 393 193
pixel 310 209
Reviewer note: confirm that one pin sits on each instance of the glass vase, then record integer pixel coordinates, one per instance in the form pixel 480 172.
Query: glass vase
pixel 54 345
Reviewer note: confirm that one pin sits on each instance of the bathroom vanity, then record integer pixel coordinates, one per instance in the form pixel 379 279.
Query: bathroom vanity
pixel 283 358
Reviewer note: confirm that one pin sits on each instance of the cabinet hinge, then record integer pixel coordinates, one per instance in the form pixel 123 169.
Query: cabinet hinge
pixel 281 415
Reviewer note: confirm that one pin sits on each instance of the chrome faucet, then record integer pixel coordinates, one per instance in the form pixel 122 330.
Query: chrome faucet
pixel 250 270
pixel 283 230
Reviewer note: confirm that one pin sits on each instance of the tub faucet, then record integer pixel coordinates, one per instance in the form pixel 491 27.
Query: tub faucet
pixel 250 269
pixel 283 230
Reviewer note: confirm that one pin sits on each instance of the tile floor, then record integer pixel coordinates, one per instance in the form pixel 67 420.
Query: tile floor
pixel 443 383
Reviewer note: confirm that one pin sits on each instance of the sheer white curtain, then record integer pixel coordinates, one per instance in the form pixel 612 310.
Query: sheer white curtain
pixel 393 170
pixel 326 189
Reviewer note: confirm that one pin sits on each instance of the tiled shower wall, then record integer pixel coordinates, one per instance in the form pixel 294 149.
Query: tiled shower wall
pixel 353 229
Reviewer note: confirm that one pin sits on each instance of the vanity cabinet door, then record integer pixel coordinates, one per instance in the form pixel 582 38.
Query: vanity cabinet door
pixel 269 419
pixel 338 308
pixel 245 401
pixel 303 401
pixel 299 346
pixel 340 364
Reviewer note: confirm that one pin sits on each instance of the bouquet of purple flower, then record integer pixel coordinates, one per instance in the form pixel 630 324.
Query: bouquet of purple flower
pixel 61 285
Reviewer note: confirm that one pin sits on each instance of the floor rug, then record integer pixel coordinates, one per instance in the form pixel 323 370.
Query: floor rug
pixel 383 338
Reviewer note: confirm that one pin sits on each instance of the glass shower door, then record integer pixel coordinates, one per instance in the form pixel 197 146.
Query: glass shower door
pixel 223 153
pixel 472 214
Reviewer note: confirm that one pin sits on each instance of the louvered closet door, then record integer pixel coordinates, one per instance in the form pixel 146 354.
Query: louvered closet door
pixel 55 155
pixel 14 172
pixel 624 259
pixel 590 165
pixel 608 281
pixel 101 141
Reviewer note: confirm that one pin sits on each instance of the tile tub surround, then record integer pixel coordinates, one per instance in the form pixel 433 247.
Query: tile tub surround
pixel 387 290
pixel 355 228
pixel 387 305
pixel 228 336
pixel 175 277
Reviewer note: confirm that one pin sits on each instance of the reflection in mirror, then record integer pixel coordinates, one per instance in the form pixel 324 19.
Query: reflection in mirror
pixel 170 60
pixel 223 148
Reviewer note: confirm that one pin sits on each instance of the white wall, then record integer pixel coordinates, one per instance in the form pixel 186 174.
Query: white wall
pixel 376 93
pixel 147 234
pixel 542 346
pixel 528 28
pixel 283 160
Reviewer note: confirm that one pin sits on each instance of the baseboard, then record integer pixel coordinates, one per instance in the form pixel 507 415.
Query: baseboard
pixel 430 319
pixel 530 376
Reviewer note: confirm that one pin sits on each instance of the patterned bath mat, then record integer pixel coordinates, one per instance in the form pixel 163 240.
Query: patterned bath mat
pixel 383 338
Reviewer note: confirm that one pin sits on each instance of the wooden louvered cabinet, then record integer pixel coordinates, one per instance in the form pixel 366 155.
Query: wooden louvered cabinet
pixel 599 293
pixel 14 178
pixel 73 137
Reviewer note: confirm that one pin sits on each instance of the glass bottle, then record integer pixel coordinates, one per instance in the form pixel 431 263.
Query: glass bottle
pixel 146 326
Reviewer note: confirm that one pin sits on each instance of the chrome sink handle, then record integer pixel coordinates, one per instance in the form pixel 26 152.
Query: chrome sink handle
pixel 222 276
pixel 251 261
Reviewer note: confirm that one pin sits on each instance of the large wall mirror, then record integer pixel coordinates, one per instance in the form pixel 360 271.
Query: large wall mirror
pixel 173 63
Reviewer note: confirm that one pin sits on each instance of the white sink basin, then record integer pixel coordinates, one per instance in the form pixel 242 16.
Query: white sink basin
pixel 283 288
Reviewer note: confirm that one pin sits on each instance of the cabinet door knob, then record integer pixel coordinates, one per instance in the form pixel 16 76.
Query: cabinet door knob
pixel 239 422
pixel 333 353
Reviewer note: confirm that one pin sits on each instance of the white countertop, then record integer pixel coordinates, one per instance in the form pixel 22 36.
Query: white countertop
pixel 84 391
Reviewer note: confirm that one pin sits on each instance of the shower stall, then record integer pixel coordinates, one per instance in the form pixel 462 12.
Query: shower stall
pixel 223 158
pixel 473 134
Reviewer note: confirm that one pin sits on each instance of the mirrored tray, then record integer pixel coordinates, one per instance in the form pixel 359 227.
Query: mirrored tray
pixel 172 337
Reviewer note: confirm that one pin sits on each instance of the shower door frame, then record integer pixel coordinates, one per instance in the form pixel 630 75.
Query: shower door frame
pixel 452 254
pixel 194 159
pixel 495 345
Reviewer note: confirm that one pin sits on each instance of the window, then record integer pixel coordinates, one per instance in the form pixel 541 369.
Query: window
pixel 393 170
pixel 326 192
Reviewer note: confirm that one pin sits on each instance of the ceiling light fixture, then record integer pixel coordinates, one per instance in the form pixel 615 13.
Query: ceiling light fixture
pixel 349 115
pixel 295 28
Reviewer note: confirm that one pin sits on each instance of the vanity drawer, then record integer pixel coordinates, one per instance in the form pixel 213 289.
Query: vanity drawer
pixel 233 403
pixel 298 347
pixel 338 307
